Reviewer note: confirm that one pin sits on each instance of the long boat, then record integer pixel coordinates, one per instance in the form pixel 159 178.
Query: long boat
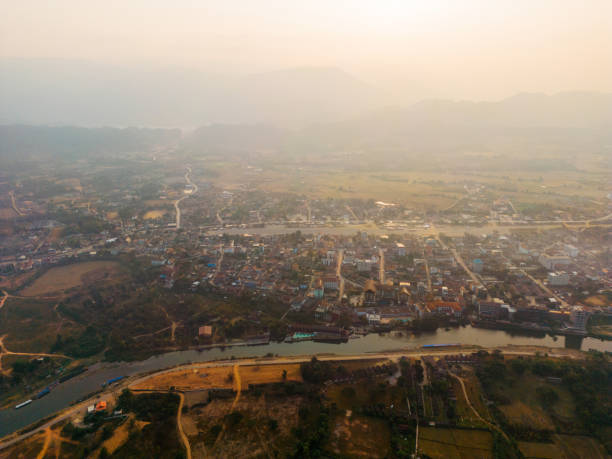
pixel 21 405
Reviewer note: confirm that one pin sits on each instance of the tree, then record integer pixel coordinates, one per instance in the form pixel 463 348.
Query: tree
pixel 547 396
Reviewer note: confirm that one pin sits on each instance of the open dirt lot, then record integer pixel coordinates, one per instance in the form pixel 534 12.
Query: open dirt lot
pixel 220 377
pixel 352 436
pixel 75 275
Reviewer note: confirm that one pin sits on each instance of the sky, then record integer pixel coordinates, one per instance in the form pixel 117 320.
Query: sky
pixel 462 49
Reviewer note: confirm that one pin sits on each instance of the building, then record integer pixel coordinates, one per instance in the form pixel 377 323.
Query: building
pixel 318 290
pixel 400 249
pixel 579 318
pixel 449 308
pixel 552 262
pixel 491 310
pixel 205 330
pixel 330 282
pixel 477 265
pixel 571 250
pixel 369 292
pixel 558 278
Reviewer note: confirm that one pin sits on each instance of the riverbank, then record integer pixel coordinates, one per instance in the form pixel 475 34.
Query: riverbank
pixel 74 389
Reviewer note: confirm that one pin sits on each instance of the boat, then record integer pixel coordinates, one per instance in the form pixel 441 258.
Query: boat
pixel 43 392
pixel 21 405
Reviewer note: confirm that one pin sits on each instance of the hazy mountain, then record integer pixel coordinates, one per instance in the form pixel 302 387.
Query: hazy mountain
pixel 47 91
pixel 20 141
pixel 566 118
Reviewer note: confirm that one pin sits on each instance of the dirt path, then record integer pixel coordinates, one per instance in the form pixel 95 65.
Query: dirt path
pixel 180 426
pixel 238 382
pixel 4 351
pixel 3 299
pixel 467 399
pixel 45 447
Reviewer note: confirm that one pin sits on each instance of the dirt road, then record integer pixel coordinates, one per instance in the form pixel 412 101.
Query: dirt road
pixel 179 425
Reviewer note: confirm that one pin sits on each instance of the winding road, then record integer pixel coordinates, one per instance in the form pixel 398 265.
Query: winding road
pixel 177 207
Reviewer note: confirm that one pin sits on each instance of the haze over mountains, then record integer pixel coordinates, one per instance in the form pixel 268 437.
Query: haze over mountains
pixel 295 110
pixel 38 91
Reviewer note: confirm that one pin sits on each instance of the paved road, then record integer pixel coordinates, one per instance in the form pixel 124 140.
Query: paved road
pixel 177 207
pixel 381 268
pixel 339 274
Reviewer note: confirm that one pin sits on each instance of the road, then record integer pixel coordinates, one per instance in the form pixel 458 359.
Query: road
pixel 546 289
pixel 473 276
pixel 177 207
pixel 381 266
pixel 3 299
pixel 179 425
pixel 218 267
pixel 339 274
pixel 14 204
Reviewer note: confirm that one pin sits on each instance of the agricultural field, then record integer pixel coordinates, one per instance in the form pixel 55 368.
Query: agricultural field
pixel 154 214
pixel 564 447
pixel 63 278
pixel 455 443
pixel 433 190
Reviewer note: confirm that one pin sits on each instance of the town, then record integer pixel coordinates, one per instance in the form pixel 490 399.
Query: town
pixel 341 268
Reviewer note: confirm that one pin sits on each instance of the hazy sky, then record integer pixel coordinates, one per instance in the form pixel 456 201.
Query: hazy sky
pixel 454 48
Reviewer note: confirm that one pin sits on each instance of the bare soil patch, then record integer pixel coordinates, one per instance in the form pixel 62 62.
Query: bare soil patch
pixel 65 277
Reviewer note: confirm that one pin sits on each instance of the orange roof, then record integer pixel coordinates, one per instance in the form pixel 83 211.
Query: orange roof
pixel 449 304
pixel 101 405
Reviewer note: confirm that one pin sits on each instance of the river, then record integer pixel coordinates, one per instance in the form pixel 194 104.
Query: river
pixel 76 388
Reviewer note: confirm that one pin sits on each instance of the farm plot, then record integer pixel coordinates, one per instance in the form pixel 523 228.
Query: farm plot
pixel 455 443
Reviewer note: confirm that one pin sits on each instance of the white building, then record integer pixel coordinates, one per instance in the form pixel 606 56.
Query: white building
pixel 571 250
pixel 558 278
pixel 552 262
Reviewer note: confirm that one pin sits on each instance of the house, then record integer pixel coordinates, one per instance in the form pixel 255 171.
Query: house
pixel 101 405
pixel 369 291
pixel 205 330
pixel 477 265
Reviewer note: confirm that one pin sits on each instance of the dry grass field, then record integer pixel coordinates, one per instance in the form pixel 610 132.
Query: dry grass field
pixel 251 437
pixel 520 413
pixel 455 443
pixel 564 447
pixel 360 436
pixel 220 377
pixel 65 277
pixel 153 214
